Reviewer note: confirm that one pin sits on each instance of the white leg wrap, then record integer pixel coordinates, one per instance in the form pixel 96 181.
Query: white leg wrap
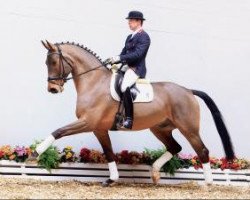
pixel 45 144
pixel 207 173
pixel 162 160
pixel 114 175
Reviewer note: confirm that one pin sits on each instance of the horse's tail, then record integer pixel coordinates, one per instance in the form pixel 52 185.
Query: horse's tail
pixel 220 125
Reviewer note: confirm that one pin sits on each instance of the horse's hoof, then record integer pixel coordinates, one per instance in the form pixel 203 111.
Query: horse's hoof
pixel 155 176
pixel 108 183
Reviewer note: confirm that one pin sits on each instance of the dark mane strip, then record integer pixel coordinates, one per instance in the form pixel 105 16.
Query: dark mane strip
pixel 82 47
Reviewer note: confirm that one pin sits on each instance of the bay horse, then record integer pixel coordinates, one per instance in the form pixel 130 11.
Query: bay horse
pixel 173 107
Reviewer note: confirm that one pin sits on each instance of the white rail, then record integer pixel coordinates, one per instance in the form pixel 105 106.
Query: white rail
pixel 87 172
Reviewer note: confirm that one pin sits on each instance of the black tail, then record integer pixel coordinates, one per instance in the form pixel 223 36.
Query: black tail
pixel 220 125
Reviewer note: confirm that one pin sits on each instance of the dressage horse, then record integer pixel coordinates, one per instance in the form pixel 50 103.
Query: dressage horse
pixel 173 107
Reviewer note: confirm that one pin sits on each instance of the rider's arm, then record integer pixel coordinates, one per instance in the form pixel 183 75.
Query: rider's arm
pixel 123 51
pixel 140 50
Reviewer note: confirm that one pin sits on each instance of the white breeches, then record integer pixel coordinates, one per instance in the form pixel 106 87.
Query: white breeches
pixel 129 79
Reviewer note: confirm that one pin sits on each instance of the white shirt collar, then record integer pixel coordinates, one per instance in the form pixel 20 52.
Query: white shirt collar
pixel 136 31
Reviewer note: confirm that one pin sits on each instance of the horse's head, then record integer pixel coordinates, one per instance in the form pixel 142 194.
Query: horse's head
pixel 59 67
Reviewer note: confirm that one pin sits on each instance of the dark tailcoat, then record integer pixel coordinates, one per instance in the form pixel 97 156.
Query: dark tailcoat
pixel 135 51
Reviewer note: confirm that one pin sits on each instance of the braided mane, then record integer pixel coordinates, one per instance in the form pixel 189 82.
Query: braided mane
pixel 82 47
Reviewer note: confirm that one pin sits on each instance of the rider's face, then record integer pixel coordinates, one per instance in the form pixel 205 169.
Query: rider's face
pixel 134 24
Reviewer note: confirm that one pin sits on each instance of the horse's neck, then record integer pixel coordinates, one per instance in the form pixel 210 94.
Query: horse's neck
pixel 93 80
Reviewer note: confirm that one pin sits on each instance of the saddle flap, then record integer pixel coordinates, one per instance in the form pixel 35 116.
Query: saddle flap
pixel 142 91
pixel 143 81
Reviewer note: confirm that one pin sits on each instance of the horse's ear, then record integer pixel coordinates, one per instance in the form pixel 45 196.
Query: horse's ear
pixel 45 45
pixel 51 46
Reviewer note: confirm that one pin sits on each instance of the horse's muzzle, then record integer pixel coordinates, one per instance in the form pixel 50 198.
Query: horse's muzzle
pixel 54 89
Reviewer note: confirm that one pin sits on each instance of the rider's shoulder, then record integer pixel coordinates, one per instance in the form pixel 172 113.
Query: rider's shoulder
pixel 144 33
pixel 144 36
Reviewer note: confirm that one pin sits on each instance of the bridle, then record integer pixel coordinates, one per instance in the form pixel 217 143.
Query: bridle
pixel 63 76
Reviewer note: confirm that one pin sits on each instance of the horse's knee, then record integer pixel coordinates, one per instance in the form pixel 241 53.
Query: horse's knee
pixel 58 133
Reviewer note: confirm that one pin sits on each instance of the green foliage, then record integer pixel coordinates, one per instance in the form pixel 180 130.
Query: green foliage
pixel 185 163
pixel 170 167
pixel 50 159
pixel 34 145
pixel 154 154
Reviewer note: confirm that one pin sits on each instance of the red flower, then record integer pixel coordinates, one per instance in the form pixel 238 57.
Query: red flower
pixel 1 154
pixel 85 155
pixel 132 157
pixel 234 166
pixel 196 162
pixel 230 164
pixel 124 157
pixel 124 153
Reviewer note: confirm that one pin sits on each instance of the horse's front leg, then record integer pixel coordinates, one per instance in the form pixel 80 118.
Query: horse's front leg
pixel 104 139
pixel 79 126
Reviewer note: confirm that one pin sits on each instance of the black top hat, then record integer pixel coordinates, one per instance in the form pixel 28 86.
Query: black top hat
pixel 135 15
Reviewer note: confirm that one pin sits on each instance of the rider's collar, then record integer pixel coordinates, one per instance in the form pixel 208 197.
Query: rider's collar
pixel 136 31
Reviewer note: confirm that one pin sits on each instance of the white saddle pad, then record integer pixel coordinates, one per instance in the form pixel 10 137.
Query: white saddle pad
pixel 146 93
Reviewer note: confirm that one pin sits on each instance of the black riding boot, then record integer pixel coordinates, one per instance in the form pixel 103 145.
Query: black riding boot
pixel 129 109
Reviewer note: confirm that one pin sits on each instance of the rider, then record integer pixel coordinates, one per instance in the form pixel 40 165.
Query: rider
pixel 133 54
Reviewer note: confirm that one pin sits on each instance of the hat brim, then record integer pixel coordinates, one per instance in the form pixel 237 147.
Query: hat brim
pixel 135 18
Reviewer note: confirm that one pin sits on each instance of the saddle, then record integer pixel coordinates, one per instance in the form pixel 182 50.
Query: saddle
pixel 142 92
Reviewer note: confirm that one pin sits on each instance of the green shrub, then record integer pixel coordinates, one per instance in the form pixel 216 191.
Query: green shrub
pixel 170 167
pixel 50 159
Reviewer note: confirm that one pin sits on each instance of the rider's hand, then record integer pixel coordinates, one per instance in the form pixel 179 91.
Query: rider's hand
pixel 115 59
pixel 112 60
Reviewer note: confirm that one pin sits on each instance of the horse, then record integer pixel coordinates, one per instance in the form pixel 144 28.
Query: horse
pixel 173 107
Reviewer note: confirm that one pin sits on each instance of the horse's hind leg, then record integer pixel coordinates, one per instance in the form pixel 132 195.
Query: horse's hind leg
pixel 187 120
pixel 202 152
pixel 164 134
pixel 185 115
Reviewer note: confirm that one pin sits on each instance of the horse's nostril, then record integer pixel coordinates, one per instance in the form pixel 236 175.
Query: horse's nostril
pixel 53 90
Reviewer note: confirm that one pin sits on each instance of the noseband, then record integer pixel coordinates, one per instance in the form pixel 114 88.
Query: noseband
pixel 63 76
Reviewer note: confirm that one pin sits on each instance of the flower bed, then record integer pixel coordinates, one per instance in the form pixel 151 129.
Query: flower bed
pixel 53 157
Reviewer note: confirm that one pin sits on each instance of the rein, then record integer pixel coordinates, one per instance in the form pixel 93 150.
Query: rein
pixel 62 68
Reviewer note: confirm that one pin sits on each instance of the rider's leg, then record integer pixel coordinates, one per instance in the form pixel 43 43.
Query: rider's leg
pixel 129 109
pixel 130 78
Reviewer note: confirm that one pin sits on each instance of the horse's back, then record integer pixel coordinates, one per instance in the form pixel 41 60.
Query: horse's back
pixel 171 91
pixel 169 86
